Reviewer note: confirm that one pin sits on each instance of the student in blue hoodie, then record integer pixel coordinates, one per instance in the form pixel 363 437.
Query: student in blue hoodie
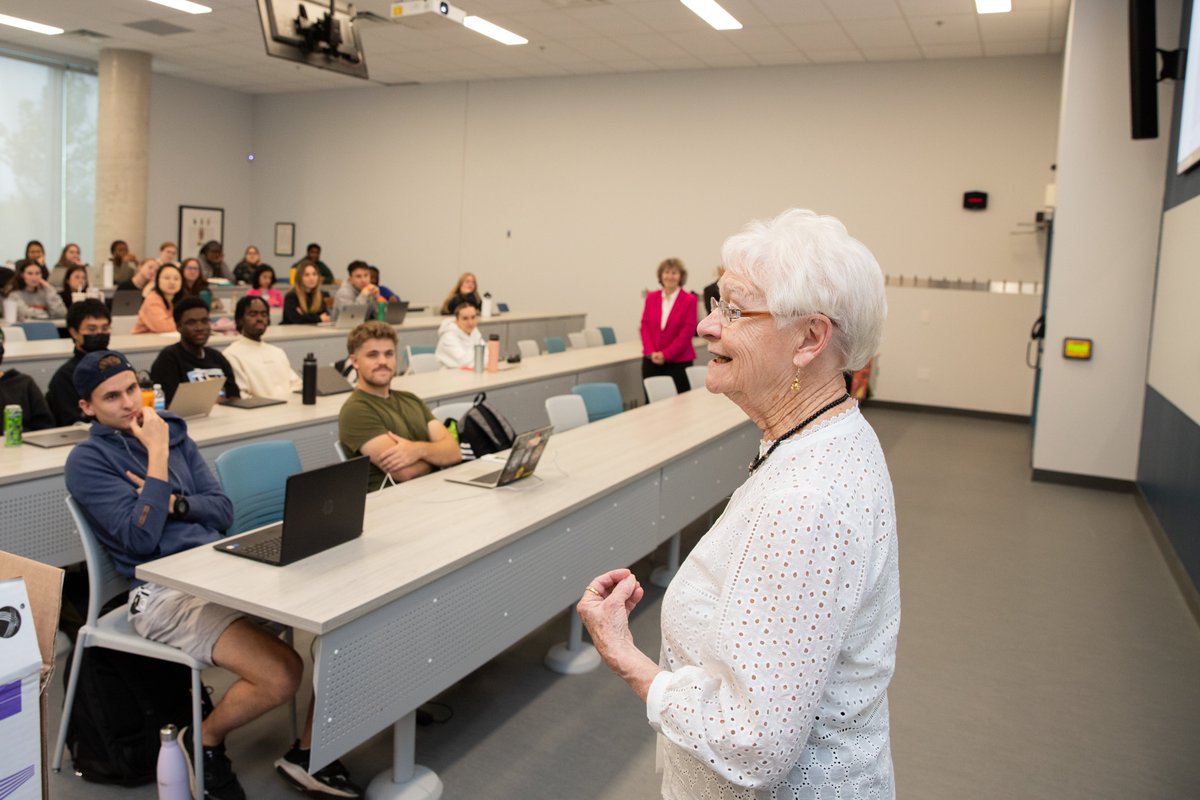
pixel 147 492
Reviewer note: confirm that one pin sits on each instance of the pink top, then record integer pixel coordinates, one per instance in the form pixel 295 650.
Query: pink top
pixel 274 297
pixel 154 316
pixel 674 339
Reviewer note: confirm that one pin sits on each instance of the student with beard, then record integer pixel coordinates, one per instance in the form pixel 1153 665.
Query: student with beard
pixel 190 359
pixel 90 324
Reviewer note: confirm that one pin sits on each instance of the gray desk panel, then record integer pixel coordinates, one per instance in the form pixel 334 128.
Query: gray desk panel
pixel 36 524
pixel 693 485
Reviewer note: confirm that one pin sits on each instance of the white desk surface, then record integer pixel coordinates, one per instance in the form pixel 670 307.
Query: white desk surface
pixel 226 424
pixel 421 530
pixel 16 352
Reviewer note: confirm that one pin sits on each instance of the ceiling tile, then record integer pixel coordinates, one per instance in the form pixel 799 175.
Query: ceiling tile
pixel 834 56
pixel 1014 26
pixel 1025 48
pixel 678 62
pixel 794 12
pixel 729 60
pixel 955 29
pixel 774 59
pixel 892 53
pixel 756 40
pixel 819 36
pixel 706 43
pixel 845 10
pixel 952 50
pixel 880 33
pixel 608 20
pixel 663 17
pixel 932 8
pixel 653 46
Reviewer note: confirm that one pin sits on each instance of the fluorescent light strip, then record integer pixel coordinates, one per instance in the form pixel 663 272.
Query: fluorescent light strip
pixel 713 14
pixel 26 25
pixel 184 5
pixel 493 31
pixel 993 6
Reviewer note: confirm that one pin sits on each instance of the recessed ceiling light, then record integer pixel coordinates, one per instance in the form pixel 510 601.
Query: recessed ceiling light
pixel 493 31
pixel 712 13
pixel 184 5
pixel 24 24
pixel 993 6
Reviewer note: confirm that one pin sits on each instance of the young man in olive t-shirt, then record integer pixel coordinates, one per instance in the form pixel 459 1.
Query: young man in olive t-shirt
pixel 395 430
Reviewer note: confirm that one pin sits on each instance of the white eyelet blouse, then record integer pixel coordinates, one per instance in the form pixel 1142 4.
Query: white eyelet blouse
pixel 779 631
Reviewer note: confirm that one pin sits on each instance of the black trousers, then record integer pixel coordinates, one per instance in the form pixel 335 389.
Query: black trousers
pixel 677 371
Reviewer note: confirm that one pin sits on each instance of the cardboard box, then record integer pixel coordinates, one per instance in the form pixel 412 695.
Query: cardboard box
pixel 30 596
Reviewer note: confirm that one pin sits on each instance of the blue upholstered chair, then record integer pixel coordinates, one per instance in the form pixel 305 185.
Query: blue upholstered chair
pixel 254 478
pixel 607 333
pixel 603 400
pixel 555 344
pixel 35 331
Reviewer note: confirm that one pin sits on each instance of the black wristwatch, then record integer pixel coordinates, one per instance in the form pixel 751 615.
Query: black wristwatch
pixel 180 509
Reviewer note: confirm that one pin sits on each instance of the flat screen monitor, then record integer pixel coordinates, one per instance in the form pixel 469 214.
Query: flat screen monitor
pixel 1189 117
pixel 314 33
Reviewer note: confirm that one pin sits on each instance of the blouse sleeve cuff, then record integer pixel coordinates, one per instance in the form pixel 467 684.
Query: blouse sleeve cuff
pixel 654 699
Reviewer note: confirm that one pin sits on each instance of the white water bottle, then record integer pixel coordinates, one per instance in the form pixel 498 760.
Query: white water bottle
pixel 486 311
pixel 106 274
pixel 173 781
pixel 160 398
pixel 10 311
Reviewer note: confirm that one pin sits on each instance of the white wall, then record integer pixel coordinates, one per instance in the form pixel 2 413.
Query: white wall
pixel 1175 348
pixel 199 139
pixel 599 178
pixel 1110 192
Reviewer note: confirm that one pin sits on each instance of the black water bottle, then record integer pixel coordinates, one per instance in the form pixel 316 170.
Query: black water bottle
pixel 309 391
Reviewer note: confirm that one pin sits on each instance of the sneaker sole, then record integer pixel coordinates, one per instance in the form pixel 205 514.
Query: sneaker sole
pixel 299 779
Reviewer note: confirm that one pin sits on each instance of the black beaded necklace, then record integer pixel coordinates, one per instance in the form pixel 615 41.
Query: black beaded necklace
pixel 758 460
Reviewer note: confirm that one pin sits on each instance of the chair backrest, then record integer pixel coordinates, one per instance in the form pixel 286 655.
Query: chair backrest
pixel 578 340
pixel 14 333
pixel 555 344
pixel 566 411
pixel 602 399
pixel 696 376
pixel 254 478
pixel 528 348
pixel 412 349
pixel 607 334
pixel 593 336
pixel 104 582
pixel 37 331
pixel 423 362
pixel 659 387
pixel 451 410
pixel 341 451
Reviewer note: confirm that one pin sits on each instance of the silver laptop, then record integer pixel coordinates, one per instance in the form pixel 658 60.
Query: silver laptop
pixel 330 381
pixel 196 399
pixel 57 437
pixel 252 402
pixel 352 316
pixel 322 508
pixel 126 302
pixel 522 460
pixel 396 312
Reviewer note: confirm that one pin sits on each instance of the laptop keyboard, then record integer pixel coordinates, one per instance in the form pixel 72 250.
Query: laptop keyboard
pixel 266 549
pixel 491 477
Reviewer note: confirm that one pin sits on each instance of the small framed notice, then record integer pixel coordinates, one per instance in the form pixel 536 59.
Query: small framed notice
pixel 285 238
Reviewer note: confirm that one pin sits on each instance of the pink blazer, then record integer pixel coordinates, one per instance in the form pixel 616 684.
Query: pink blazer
pixel 675 340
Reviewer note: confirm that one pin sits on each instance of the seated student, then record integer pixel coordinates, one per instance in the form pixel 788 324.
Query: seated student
pixel 17 388
pixel 36 300
pixel 305 303
pixel 194 282
pixel 168 253
pixel 263 281
pixel 69 257
pixel 189 359
pixel 143 485
pixel 75 281
pixel 142 280
pixel 244 271
pixel 357 291
pixel 457 338
pixel 395 430
pixel 90 324
pixel 384 292
pixel 261 369
pixel 35 251
pixel 155 314
pixel 212 261
pixel 313 254
pixel 465 291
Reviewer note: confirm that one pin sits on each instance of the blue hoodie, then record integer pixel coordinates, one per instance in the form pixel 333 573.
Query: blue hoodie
pixel 137 528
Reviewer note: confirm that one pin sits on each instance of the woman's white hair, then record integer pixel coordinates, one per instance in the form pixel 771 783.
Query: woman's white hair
pixel 805 263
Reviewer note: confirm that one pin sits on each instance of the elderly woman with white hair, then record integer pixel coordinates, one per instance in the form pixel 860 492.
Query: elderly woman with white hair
pixel 779 630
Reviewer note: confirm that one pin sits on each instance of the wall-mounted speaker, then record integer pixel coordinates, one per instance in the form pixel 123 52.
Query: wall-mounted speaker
pixel 1143 69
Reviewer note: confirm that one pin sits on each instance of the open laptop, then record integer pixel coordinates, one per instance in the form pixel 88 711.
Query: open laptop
pixel 253 402
pixel 57 437
pixel 126 302
pixel 396 312
pixel 350 317
pixel 322 508
pixel 522 460
pixel 196 399
pixel 330 381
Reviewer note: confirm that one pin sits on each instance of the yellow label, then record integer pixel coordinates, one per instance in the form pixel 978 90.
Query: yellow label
pixel 1077 348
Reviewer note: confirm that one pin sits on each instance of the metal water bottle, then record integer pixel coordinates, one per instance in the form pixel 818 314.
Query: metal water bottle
pixel 480 357
pixel 493 352
pixel 308 391
pixel 173 781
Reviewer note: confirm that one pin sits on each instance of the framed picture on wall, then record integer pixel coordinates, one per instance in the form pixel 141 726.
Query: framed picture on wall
pixel 285 238
pixel 198 225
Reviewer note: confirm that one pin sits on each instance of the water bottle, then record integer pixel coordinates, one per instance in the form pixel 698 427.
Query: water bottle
pixel 172 767
pixel 106 274
pixel 308 392
pixel 486 311
pixel 160 398
pixel 381 310
pixel 10 311
pixel 480 357
pixel 493 350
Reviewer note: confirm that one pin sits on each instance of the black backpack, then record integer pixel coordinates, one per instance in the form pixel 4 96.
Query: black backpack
pixel 484 429
pixel 121 702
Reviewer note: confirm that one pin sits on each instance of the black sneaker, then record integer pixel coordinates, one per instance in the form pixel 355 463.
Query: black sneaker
pixel 220 782
pixel 330 781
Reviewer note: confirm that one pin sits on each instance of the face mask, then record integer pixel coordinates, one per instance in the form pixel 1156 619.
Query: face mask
pixel 94 341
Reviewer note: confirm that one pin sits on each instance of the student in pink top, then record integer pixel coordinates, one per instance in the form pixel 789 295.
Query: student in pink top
pixel 668 325
pixel 156 314
pixel 263 282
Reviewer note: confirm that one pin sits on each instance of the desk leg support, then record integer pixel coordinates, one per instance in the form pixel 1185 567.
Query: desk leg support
pixel 573 657
pixel 406 780
pixel 662 576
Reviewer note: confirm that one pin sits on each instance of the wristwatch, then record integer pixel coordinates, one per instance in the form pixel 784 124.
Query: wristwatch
pixel 180 509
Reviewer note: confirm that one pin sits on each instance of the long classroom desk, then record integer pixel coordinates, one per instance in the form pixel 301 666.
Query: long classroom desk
pixel 41 359
pixel 446 577
pixel 33 517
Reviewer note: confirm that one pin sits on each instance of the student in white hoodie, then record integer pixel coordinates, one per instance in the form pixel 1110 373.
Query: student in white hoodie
pixel 261 369
pixel 457 338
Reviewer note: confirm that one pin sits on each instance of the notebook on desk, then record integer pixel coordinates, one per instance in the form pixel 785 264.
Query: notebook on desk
pixel 322 508
pixel 522 460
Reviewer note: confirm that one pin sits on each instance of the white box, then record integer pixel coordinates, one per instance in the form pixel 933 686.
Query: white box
pixel 20 704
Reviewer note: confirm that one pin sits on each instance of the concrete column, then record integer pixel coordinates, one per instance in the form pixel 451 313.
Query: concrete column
pixel 122 151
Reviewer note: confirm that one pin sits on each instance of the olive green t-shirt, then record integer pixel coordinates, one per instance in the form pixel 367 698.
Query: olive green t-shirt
pixel 365 416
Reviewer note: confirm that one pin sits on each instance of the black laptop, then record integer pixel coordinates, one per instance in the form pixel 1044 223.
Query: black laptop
pixel 322 509
pixel 126 302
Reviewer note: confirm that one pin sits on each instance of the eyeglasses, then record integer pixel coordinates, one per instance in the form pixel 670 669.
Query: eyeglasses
pixel 731 314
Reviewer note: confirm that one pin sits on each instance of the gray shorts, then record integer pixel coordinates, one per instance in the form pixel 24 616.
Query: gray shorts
pixel 169 616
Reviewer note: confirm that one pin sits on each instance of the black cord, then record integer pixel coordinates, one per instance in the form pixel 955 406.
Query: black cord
pixel 758 460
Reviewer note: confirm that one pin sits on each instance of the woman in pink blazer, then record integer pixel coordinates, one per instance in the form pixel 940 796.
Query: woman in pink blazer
pixel 668 326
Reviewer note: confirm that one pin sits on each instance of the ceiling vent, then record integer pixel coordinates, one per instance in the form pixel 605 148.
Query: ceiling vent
pixel 575 3
pixel 157 27
pixel 84 33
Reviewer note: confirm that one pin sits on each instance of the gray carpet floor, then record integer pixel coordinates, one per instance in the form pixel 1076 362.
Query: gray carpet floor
pixel 1044 653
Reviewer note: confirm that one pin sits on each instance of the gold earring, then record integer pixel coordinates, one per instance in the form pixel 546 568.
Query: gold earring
pixel 796 382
